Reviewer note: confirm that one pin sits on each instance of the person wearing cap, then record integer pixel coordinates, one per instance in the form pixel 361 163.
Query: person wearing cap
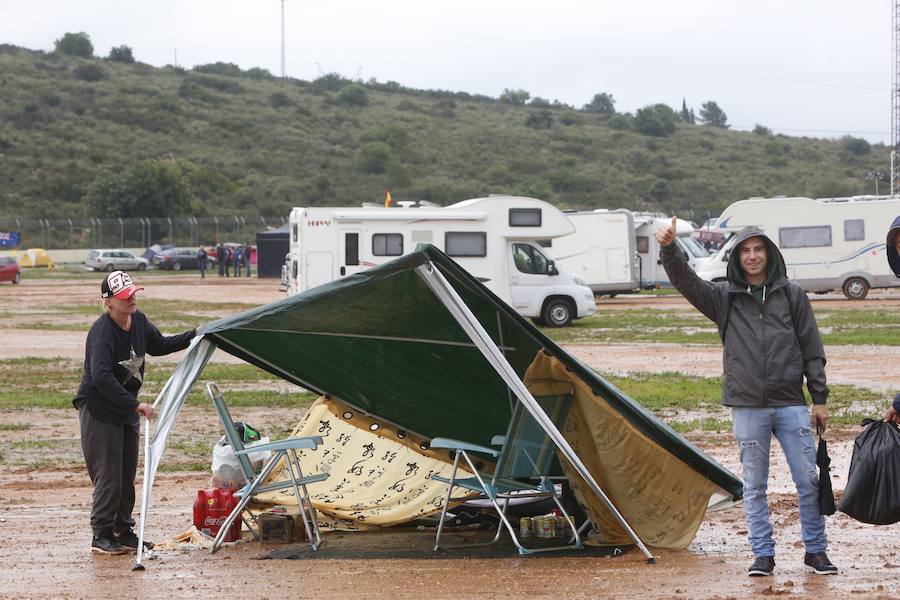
pixel 893 255
pixel 770 342
pixel 109 411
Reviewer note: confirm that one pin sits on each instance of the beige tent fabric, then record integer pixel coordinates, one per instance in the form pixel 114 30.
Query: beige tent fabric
pixel 379 476
pixel 662 498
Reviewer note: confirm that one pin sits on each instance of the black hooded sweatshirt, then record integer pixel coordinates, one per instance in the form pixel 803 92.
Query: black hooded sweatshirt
pixel 769 333
pixel 108 389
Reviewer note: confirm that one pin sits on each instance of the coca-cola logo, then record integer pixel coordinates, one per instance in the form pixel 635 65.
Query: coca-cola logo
pixel 213 521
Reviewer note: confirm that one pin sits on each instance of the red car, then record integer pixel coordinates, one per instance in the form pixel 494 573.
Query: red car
pixel 9 269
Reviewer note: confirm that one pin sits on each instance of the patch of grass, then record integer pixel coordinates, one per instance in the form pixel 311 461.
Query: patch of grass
pixel 663 392
pixel 19 399
pixel 705 424
pixel 168 467
pixel 254 398
pixel 14 427
pixel 44 443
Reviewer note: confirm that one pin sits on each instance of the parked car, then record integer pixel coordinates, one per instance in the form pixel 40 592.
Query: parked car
pixel 9 269
pixel 110 260
pixel 181 258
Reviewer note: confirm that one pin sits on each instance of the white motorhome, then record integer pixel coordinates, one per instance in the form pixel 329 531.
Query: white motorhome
pixel 827 244
pixel 494 238
pixel 601 251
pixel 652 273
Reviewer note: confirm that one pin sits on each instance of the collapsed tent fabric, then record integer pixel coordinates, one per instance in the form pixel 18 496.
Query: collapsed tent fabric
pixel 389 342
pixel 381 476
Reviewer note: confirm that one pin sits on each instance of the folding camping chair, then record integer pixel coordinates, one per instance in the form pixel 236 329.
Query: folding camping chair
pixel 285 450
pixel 524 461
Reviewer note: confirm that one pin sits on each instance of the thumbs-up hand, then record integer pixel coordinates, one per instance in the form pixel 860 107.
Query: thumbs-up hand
pixel 666 235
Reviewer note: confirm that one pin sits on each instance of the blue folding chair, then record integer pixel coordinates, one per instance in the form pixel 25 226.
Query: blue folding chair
pixel 282 450
pixel 524 462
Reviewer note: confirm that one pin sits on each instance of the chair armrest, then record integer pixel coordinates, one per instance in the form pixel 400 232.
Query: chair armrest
pixel 498 440
pixel 459 445
pixel 309 442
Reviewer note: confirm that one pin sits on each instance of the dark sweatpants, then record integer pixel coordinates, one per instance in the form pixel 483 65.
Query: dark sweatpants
pixel 111 455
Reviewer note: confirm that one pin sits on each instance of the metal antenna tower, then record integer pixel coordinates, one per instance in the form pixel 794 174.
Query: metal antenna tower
pixel 895 99
pixel 282 39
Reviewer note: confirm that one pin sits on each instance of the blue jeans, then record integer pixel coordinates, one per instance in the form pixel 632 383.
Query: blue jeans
pixel 753 428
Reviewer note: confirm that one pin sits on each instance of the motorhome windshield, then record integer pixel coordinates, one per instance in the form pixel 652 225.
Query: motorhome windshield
pixel 529 259
pixel 692 246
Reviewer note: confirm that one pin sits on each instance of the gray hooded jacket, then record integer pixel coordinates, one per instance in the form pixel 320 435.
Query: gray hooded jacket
pixel 767 349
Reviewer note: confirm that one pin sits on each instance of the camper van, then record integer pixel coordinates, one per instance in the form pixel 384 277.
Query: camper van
pixel 827 244
pixel 494 238
pixel 652 273
pixel 601 251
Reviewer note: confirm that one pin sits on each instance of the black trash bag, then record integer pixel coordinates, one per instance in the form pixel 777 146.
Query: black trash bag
pixel 826 494
pixel 872 494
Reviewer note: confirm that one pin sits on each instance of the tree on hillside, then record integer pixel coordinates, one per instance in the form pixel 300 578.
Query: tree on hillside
pixel 353 95
pixel 855 146
pixel 148 188
pixel 687 115
pixel 657 120
pixel 514 97
pixel 121 54
pixel 75 44
pixel 712 115
pixel 602 103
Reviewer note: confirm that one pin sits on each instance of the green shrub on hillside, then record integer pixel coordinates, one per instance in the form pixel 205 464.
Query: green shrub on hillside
pixel 542 119
pixel 374 157
pixel 75 44
pixel 352 95
pixel 657 120
pixel 280 100
pixel 219 68
pixel 148 188
pixel 602 103
pixel 122 54
pixel 89 72
pixel 854 146
pixel 514 97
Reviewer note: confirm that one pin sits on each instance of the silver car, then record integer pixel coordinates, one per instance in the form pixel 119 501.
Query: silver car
pixel 110 260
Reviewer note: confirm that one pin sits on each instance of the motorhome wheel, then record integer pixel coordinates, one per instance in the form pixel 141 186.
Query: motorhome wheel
pixel 856 288
pixel 557 313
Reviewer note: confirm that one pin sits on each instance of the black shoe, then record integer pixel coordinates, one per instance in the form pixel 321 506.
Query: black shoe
pixel 130 541
pixel 762 566
pixel 819 564
pixel 106 544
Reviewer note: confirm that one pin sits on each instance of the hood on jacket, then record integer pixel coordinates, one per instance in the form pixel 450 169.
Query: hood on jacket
pixel 893 257
pixel 774 264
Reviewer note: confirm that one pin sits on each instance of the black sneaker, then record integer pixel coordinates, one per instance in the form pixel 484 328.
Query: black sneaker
pixel 819 564
pixel 762 566
pixel 106 544
pixel 130 540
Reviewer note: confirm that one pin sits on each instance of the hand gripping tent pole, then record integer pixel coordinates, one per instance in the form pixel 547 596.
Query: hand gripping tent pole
pixel 448 296
pixel 170 400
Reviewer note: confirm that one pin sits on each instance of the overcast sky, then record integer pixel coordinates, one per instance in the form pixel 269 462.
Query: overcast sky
pixel 802 67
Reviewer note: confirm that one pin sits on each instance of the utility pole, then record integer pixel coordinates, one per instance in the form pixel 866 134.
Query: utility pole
pixel 895 98
pixel 282 39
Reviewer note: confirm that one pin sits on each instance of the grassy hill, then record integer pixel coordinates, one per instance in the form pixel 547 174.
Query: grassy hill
pixel 254 144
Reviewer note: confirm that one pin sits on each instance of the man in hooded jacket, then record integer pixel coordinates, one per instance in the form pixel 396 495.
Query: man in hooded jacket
pixel 771 341
pixel 893 256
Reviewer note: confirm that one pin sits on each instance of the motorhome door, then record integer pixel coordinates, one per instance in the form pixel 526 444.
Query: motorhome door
pixel 529 276
pixel 350 246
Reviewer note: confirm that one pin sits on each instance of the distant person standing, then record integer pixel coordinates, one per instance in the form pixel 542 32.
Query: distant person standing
pixel 229 256
pixel 201 261
pixel 238 256
pixel 220 255
pixel 247 254
pixel 109 410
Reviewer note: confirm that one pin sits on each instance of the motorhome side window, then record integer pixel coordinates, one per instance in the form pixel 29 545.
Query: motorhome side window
pixel 465 243
pixel 387 244
pixel 351 249
pixel 804 237
pixel 294 227
pixel 643 244
pixel 854 230
pixel 529 259
pixel 524 217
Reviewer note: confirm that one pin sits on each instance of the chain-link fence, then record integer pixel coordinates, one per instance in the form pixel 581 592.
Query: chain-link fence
pixel 58 234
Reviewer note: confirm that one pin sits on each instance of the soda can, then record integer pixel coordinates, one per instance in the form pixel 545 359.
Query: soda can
pixel 526 527
pixel 559 523
pixel 547 527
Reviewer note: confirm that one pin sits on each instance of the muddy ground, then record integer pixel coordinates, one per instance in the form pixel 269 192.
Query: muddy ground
pixel 44 511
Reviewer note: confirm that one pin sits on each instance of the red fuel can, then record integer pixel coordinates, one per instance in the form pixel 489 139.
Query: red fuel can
pixel 211 508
